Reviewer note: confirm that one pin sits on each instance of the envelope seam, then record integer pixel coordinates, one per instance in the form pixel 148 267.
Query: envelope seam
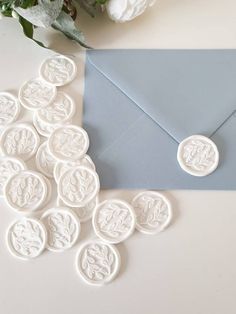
pixel 220 126
pixel 109 80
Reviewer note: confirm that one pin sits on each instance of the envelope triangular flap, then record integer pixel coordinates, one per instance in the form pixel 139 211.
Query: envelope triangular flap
pixel 184 91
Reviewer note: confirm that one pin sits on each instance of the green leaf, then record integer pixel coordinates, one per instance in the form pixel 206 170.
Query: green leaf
pixel 66 25
pixel 28 30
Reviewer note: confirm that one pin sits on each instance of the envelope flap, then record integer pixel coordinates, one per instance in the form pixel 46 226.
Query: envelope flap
pixel 184 91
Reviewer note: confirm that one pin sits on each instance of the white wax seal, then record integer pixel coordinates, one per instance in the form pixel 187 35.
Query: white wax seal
pixel 126 10
pixel 43 128
pixel 114 221
pixel 45 162
pixel 19 140
pixel 84 213
pixel 98 263
pixel 63 228
pixel 78 186
pixel 58 70
pixel 36 93
pixel 61 110
pixel 61 167
pixel 8 167
pixel 153 212
pixel 198 155
pixel 26 238
pixel 25 191
pixel 68 143
pixel 9 108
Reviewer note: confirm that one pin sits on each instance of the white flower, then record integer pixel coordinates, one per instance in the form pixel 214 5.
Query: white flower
pixel 126 10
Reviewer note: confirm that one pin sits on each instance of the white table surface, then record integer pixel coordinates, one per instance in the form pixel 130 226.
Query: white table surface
pixel 189 268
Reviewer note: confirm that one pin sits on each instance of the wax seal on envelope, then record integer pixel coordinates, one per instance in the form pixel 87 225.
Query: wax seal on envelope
pixel 198 155
pixel 45 162
pixel 9 108
pixel 78 186
pixel 114 221
pixel 61 110
pixel 26 191
pixel 98 263
pixel 85 212
pixel 8 167
pixel 36 93
pixel 19 140
pixel 58 70
pixel 153 212
pixel 63 228
pixel 61 167
pixel 26 238
pixel 68 143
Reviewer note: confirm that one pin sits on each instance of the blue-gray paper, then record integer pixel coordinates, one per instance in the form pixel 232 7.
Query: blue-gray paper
pixel 139 104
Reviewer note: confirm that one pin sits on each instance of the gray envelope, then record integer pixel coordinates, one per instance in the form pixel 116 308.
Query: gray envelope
pixel 139 104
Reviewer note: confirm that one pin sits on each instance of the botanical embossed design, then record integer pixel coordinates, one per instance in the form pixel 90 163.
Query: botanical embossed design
pixel 26 238
pixel 9 109
pixel 69 142
pixel 58 70
pixel 61 167
pixel 114 221
pixel 9 167
pixel 19 141
pixel 78 186
pixel 62 227
pixel 198 155
pixel 45 161
pixel 36 94
pixel 25 191
pixel 61 110
pixel 153 212
pixel 98 263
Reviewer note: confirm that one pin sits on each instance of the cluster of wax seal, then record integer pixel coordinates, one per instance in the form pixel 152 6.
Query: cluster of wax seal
pixel 60 151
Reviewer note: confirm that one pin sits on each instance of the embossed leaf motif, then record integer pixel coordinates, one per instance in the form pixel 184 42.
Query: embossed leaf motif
pixel 37 93
pixel 58 70
pixel 8 168
pixel 25 191
pixel 27 238
pixel 151 211
pixel 62 167
pixel 97 262
pixel 199 155
pixel 19 142
pixel 62 230
pixel 114 220
pixel 7 110
pixel 68 142
pixel 58 111
pixel 77 185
